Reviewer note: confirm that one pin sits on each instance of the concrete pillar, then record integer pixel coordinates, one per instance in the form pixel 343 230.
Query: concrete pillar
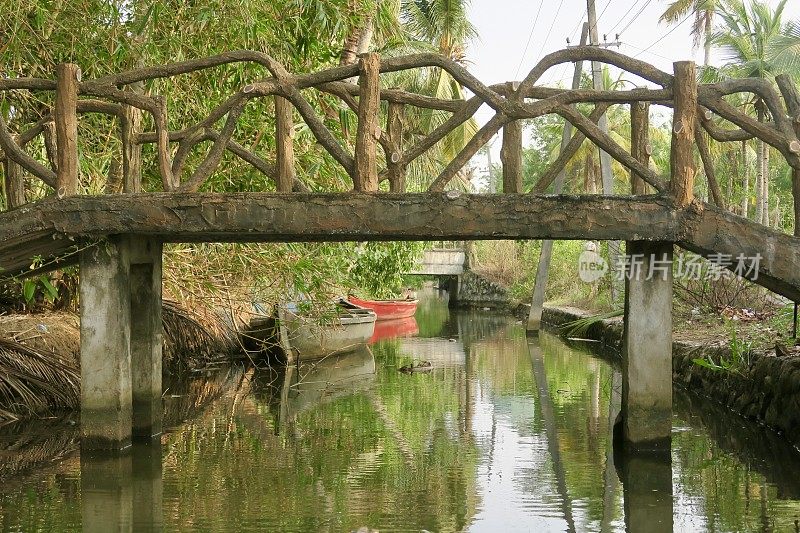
pixel 647 346
pixel 146 335
pixel 105 346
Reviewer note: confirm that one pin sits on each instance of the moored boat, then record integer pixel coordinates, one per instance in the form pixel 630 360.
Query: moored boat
pixel 388 309
pixel 309 337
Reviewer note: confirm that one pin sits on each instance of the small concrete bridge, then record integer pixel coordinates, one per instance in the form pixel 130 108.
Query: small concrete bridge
pixel 117 237
pixel 441 261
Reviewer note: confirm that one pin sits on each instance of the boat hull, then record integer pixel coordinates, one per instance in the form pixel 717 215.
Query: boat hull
pixel 388 309
pixel 307 339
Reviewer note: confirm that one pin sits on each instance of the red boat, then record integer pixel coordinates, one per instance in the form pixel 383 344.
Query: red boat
pixel 388 309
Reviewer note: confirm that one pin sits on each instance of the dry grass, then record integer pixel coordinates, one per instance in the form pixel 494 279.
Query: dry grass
pixel 501 262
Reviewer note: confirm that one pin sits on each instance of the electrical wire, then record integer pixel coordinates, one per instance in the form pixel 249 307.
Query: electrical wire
pixel 530 36
pixel 664 36
pixel 611 30
pixel 636 16
pixel 550 30
pixel 643 50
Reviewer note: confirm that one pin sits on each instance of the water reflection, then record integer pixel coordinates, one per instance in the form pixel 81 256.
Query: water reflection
pixel 122 491
pixel 503 433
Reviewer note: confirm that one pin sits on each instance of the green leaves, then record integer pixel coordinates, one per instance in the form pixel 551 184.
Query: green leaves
pixel 377 268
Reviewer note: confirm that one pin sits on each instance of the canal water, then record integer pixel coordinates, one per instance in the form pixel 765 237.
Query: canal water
pixel 503 433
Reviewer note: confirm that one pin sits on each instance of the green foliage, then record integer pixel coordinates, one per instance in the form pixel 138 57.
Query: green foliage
pixel 580 327
pixel 738 360
pixel 377 268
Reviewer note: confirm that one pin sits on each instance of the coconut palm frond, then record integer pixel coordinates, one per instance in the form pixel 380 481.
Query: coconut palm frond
pixel 581 326
pixel 35 382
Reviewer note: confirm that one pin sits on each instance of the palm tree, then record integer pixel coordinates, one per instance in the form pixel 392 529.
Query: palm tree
pixel 703 11
pixel 752 38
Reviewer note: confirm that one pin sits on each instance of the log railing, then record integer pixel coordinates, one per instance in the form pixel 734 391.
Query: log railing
pixel 695 107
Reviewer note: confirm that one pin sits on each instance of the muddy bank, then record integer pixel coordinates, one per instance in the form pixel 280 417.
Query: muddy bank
pixel 40 356
pixel 765 388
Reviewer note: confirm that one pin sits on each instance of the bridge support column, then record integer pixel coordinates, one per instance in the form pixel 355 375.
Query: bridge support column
pixel 146 335
pixel 647 346
pixel 105 346
pixel 120 280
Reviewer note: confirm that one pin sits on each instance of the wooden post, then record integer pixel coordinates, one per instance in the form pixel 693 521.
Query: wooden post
pixel 394 129
pixel 284 149
pixel 365 176
pixel 14 183
pixel 640 142
pixel 131 150
pixel 683 123
pixel 511 156
pixel 68 77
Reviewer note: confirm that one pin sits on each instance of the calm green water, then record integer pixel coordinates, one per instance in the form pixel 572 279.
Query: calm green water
pixel 504 434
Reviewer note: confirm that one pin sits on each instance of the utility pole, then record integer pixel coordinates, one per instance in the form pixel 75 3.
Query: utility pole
pixel 605 159
pixel 545 255
pixel 490 178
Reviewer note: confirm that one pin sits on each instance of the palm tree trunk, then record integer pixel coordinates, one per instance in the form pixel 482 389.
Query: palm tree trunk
pixel 707 30
pixel 759 185
pixel 746 184
pixel 365 39
pixel 765 184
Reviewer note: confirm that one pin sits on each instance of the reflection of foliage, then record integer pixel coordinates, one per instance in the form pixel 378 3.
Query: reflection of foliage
pixel 431 317
pixel 378 267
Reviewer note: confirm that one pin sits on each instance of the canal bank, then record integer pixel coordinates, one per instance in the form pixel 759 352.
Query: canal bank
pixel 763 387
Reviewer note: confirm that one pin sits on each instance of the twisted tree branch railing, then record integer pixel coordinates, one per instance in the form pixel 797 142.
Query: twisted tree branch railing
pixel 510 102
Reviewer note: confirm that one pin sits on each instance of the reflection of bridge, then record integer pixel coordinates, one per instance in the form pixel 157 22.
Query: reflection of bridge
pixel 121 278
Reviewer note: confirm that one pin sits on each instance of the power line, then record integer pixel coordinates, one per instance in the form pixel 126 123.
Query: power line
pixel 551 29
pixel 597 19
pixel 623 16
pixel 530 36
pixel 601 14
pixel 643 50
pixel 578 25
pixel 636 16
pixel 664 36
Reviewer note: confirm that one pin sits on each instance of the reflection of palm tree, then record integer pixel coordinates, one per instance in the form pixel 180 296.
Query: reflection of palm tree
pixel 546 405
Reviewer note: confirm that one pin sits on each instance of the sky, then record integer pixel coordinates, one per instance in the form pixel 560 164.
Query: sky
pixel 514 34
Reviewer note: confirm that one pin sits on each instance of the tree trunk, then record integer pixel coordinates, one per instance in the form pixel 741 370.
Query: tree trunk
pixel 746 184
pixel 765 184
pixel 759 185
pixel 365 39
pixel 707 30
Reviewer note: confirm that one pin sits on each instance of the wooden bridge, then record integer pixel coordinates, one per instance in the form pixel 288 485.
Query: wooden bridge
pixel 117 237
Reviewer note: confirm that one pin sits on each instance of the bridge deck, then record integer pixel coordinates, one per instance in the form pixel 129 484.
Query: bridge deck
pixel 52 229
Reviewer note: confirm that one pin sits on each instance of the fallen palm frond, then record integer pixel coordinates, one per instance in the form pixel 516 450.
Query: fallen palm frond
pixel 33 382
pixel 581 326
pixel 187 341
